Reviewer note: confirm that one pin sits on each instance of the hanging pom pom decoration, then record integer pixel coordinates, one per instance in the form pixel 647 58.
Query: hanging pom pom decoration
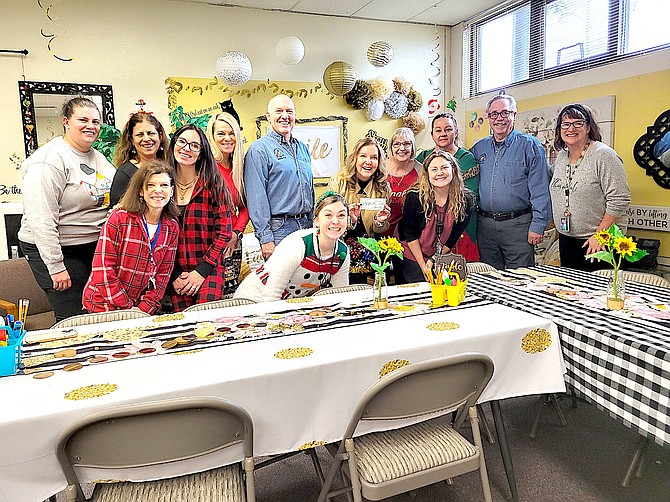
pixel 395 105
pixel 402 85
pixel 380 54
pixel 234 68
pixel 359 97
pixel 414 101
pixel 381 88
pixel 414 121
pixel 375 110
pixel 290 50
pixel 339 78
pixel 434 80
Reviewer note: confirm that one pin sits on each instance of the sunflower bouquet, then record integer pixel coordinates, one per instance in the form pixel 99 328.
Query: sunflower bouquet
pixel 617 248
pixel 382 250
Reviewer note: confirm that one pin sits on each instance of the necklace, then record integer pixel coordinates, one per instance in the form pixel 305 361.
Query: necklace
pixel 324 279
pixel 569 171
pixel 182 188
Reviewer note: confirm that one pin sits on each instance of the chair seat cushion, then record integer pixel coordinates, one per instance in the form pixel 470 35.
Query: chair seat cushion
pixel 218 485
pixel 383 456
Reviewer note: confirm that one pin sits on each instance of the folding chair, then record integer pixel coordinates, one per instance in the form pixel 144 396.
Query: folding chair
pixel 641 277
pixel 219 304
pixel 163 433
pixel 96 317
pixel 383 464
pixel 477 267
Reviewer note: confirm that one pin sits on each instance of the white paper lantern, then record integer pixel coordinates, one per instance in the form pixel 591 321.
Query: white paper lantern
pixel 339 77
pixel 375 109
pixel 380 53
pixel 234 68
pixel 290 50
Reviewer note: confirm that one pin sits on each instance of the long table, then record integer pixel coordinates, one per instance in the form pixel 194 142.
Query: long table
pixel 619 360
pixel 297 368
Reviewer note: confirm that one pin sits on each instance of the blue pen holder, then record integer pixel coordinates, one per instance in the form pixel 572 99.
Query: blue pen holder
pixel 10 356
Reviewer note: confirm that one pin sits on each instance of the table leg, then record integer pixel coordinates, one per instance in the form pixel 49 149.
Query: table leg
pixel 636 464
pixel 504 448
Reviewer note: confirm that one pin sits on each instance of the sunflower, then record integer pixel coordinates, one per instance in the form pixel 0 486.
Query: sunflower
pixel 625 246
pixel 603 237
pixel 390 244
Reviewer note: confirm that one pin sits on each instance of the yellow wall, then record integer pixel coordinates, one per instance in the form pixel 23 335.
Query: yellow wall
pixel 639 101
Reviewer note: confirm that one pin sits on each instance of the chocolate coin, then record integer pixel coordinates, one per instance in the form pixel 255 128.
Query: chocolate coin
pixel 97 359
pixel 120 355
pixel 43 375
pixel 169 344
pixel 73 367
pixel 147 350
pixel 65 353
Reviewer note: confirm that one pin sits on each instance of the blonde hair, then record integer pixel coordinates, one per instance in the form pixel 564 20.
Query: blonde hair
pixel 406 134
pixel 347 175
pixel 456 202
pixel 237 157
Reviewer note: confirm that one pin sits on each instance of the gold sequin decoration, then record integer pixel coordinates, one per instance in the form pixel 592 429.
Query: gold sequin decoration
pixel 552 278
pixel 84 337
pixel 185 352
pixel 91 391
pixel 443 326
pixel 311 444
pixel 36 360
pixel 306 299
pixel 203 329
pixel 392 365
pixel 124 334
pixel 168 317
pixel 409 285
pixel 536 341
pixel 294 353
pixel 404 308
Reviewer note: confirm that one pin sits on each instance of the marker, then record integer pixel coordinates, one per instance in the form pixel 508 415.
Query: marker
pixel 18 329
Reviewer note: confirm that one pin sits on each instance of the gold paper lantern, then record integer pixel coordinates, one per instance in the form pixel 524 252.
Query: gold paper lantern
pixel 380 53
pixel 339 78
pixel 234 68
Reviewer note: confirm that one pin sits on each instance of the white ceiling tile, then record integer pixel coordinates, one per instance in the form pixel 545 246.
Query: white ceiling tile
pixel 333 8
pixel 452 12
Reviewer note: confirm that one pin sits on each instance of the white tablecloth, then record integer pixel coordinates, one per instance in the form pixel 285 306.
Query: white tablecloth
pixel 292 401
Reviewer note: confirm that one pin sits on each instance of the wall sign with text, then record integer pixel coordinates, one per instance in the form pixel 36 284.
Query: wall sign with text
pixel 649 218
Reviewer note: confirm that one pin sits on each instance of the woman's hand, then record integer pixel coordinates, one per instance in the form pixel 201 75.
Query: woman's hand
pixel 230 247
pixel 383 214
pixel 61 281
pixel 592 246
pixel 188 283
pixel 354 213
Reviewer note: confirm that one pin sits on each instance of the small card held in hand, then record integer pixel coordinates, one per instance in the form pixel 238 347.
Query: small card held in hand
pixel 371 204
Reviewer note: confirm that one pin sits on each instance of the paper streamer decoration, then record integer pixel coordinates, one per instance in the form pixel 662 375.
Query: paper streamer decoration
pixel 290 50
pixel 339 78
pixel 52 36
pixel 234 68
pixel 434 80
pixel 380 54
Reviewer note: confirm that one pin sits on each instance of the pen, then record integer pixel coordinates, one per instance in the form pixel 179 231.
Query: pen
pixel 18 329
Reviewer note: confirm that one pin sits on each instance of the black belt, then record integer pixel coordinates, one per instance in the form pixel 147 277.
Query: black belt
pixel 505 216
pixel 290 216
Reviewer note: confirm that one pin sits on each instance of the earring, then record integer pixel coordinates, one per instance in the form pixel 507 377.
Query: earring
pixel 133 151
pixel 141 199
pixel 318 230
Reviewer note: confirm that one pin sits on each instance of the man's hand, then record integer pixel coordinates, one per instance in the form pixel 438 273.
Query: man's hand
pixel 534 238
pixel 61 281
pixel 267 248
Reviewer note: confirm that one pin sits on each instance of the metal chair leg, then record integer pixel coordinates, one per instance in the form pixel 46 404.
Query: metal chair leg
pixel 485 424
pixel 317 465
pixel 636 464
pixel 504 449
pixel 559 411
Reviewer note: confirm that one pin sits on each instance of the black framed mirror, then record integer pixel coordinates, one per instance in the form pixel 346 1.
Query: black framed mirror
pixel 40 108
pixel 651 150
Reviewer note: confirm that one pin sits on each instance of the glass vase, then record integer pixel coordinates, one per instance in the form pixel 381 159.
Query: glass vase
pixel 616 291
pixel 380 291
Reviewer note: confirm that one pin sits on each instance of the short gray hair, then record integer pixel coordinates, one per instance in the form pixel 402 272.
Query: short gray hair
pixel 510 100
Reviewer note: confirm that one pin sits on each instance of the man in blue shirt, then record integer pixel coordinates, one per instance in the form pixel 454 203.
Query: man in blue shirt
pixel 278 179
pixel 514 201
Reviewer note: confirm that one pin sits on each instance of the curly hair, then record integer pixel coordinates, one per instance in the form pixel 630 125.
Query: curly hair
pixel 125 148
pixel 237 157
pixel 348 171
pixel 456 201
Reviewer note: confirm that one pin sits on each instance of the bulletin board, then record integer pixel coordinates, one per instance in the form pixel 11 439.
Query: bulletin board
pixel 322 119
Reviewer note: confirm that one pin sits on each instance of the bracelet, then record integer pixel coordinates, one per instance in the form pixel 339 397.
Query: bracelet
pixel 377 224
pixel 238 234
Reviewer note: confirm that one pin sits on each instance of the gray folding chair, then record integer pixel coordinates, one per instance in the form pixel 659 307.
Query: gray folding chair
pixel 161 433
pixel 641 277
pixel 343 289
pixel 383 464
pixel 112 315
pixel 219 304
pixel 477 267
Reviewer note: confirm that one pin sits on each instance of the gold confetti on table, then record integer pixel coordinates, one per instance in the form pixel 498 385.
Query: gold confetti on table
pixel 536 341
pixel 306 299
pixel 185 352
pixel 82 338
pixel 202 329
pixel 443 326
pixel 409 285
pixel 552 278
pixel 294 353
pixel 168 317
pixel 36 360
pixel 91 391
pixel 392 366
pixel 124 334
pixel 311 444
pixel 404 308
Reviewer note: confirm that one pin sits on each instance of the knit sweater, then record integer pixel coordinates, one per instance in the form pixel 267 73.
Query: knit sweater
pixel 296 269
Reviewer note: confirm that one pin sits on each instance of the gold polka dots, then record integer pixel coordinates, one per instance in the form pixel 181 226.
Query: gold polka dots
pixel 536 341
pixel 404 308
pixel 91 391
pixel 168 317
pixel 311 444
pixel 443 326
pixel 294 353
pixel 124 334
pixel 392 366
pixel 306 299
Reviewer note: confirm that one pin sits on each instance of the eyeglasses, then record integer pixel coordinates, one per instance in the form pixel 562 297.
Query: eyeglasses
pixel 577 124
pixel 406 145
pixel 504 114
pixel 194 146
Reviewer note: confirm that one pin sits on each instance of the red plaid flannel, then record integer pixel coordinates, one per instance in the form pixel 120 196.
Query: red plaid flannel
pixel 122 264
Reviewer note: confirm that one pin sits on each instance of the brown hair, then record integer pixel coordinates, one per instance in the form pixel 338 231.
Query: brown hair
pixel 133 202
pixel 579 112
pixel 125 149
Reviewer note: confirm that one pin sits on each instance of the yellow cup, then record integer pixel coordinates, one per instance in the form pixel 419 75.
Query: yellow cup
pixel 455 294
pixel 439 293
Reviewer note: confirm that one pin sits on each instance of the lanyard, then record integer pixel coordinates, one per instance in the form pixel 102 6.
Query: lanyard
pixel 152 242
pixel 569 170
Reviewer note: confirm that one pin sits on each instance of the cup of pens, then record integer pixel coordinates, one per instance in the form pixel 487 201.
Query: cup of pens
pixel 446 288
pixel 10 348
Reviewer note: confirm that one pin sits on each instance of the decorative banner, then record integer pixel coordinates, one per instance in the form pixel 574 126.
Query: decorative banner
pixel 52 36
pixel 323 143
pixel 649 218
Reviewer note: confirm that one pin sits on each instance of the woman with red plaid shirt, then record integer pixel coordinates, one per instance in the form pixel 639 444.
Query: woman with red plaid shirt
pixel 137 245
pixel 204 203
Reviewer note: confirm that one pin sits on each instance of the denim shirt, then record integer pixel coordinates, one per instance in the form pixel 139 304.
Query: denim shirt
pixel 277 181
pixel 513 177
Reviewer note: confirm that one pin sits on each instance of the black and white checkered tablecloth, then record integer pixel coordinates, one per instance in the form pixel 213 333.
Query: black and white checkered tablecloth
pixel 620 362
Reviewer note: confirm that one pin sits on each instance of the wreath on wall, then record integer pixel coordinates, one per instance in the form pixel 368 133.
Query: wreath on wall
pixel 396 98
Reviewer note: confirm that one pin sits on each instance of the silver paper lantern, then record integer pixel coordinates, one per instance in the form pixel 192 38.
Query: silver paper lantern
pixel 339 78
pixel 380 53
pixel 290 50
pixel 233 68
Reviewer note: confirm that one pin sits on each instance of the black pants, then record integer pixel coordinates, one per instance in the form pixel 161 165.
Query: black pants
pixel 78 262
pixel 410 272
pixel 572 254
